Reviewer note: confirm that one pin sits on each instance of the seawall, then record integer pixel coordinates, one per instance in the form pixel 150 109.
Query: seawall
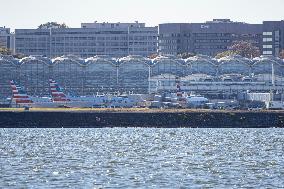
pixel 68 119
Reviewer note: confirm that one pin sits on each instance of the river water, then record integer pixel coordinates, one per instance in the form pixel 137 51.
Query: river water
pixel 141 158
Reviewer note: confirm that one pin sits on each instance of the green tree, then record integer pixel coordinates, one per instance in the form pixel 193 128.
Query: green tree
pixel 225 53
pixel 49 25
pixel 242 48
pixel 5 51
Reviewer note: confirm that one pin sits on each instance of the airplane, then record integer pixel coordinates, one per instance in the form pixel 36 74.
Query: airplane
pixel 20 98
pixel 107 101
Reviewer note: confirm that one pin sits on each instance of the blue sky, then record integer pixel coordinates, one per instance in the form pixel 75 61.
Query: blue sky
pixel 31 13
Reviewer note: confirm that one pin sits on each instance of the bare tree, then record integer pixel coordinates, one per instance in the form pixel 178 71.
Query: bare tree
pixel 281 55
pixel 242 48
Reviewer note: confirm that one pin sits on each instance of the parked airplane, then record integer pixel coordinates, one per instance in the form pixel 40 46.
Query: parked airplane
pixel 21 99
pixel 59 99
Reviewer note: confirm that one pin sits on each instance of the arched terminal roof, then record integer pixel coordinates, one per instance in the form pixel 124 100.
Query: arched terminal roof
pixel 264 64
pixel 101 60
pixel 168 65
pixel 234 65
pixel 201 64
pixel 69 58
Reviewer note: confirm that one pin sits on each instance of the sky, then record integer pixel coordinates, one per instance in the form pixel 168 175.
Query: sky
pixel 31 13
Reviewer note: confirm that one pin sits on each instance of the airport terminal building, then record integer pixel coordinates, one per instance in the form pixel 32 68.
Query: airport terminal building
pixel 226 77
pixel 111 57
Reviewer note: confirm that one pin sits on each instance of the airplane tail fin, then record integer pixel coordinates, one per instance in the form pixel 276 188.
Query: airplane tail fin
pixel 56 92
pixel 19 95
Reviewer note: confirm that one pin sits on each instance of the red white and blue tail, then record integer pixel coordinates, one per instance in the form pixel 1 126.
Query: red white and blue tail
pixel 56 92
pixel 19 95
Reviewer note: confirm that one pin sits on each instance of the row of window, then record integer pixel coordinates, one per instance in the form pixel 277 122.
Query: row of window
pixel 267 52
pixel 209 35
pixel 70 50
pixel 168 41
pixel 212 34
pixel 267 46
pixel 212 40
pixel 142 38
pixel 267 39
pixel 210 47
pixel 86 44
pixel 267 33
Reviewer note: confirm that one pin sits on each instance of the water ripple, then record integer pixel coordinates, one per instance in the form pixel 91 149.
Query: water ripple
pixel 141 158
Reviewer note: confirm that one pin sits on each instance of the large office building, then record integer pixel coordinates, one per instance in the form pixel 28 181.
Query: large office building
pixel 207 38
pixel 112 39
pixel 215 36
pixel 6 38
pixel 273 37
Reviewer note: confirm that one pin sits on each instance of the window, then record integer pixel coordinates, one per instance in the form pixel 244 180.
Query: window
pixel 267 33
pixel 267 39
pixel 267 46
pixel 277 36
pixel 267 52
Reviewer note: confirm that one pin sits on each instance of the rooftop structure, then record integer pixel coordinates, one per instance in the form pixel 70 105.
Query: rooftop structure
pixel 112 25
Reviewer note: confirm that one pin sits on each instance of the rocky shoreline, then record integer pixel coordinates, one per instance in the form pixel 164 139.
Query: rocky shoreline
pixel 155 119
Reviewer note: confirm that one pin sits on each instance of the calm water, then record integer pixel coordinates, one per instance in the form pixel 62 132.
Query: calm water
pixel 141 158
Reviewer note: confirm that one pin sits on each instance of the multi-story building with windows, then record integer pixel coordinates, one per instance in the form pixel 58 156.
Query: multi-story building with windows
pixel 6 38
pixel 207 38
pixel 113 39
pixel 273 37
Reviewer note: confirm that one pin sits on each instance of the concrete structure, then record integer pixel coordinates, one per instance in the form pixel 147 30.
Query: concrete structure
pixel 112 25
pixel 7 39
pixel 228 76
pixel 273 37
pixel 207 38
pixel 112 39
